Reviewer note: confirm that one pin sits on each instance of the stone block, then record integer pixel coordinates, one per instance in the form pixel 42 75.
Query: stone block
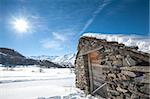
pixel 121 89
pixel 128 73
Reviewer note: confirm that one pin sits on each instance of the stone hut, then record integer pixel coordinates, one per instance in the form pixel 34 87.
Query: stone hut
pixel 112 70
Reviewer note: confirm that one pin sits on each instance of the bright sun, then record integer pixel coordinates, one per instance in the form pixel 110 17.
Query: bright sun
pixel 21 25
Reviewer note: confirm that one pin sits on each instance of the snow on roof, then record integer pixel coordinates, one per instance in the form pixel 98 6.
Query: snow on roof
pixel 143 43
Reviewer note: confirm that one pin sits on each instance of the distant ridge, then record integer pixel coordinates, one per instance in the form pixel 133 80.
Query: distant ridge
pixel 10 57
pixel 66 60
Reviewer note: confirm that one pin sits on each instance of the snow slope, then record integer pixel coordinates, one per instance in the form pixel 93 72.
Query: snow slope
pixel 129 40
pixel 67 59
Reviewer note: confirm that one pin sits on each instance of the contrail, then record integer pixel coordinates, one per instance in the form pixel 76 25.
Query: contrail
pixel 87 24
pixel 96 12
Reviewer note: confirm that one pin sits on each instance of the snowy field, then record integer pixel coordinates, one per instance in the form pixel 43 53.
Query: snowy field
pixel 30 83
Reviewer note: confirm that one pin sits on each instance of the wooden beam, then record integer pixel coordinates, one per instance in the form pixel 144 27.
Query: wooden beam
pixel 132 68
pixel 96 49
pixel 102 66
pixel 90 74
pixel 139 55
pixel 137 68
pixel 98 88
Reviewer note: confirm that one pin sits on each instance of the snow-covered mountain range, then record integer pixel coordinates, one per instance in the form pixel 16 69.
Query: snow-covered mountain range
pixel 43 57
pixel 10 57
pixel 64 60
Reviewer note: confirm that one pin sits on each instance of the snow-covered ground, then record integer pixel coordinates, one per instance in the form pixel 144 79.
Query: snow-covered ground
pixel 30 83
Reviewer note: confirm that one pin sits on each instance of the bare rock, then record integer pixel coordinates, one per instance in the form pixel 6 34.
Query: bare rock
pixel 130 61
pixel 112 75
pixel 142 79
pixel 117 62
pixel 119 56
pixel 122 77
pixel 114 92
pixel 129 73
pixel 145 89
pixel 112 57
pixel 124 62
pixel 121 89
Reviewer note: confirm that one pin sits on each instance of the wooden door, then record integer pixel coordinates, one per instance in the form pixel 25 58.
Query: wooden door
pixel 96 74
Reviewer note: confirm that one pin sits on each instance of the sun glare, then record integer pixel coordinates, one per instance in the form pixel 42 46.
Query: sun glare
pixel 21 25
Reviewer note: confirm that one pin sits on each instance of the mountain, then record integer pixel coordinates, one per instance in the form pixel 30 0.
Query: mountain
pixel 64 60
pixel 43 57
pixel 10 57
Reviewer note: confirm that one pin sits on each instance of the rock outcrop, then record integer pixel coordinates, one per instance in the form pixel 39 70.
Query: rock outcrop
pixel 124 70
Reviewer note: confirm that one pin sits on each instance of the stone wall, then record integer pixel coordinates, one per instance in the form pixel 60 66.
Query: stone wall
pixel 81 75
pixel 125 70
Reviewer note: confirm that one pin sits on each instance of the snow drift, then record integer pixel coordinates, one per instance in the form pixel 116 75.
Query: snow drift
pixel 142 42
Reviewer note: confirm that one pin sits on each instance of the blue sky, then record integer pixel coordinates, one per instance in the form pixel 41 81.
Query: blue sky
pixel 54 26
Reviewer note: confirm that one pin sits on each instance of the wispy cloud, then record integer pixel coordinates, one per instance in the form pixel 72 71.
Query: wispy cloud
pixel 97 11
pixel 59 36
pixel 51 44
pixel 56 41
